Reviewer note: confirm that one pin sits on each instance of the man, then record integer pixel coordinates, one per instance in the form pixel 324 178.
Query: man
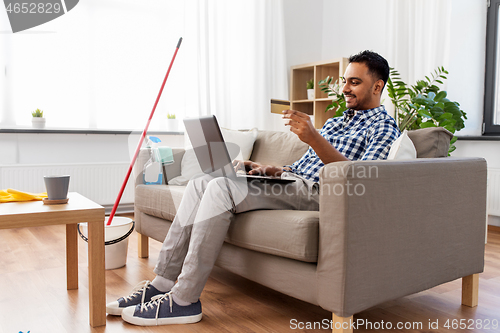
pixel 365 132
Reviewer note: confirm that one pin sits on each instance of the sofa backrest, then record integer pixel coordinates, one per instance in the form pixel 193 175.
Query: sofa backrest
pixel 277 148
pixel 284 148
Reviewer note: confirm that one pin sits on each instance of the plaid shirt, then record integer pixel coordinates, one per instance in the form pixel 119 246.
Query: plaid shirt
pixel 368 135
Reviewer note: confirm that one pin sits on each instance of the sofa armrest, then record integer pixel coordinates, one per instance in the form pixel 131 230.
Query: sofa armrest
pixel 392 228
pixel 173 170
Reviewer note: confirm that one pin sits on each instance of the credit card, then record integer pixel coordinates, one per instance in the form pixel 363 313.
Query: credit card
pixel 278 105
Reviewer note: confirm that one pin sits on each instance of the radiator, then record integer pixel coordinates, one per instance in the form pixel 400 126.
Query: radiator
pixel 100 182
pixel 493 191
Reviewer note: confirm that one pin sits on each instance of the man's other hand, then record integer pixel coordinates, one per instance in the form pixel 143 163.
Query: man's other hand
pixel 300 124
pixel 253 168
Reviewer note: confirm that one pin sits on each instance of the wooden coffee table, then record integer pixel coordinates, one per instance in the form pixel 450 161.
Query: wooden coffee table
pixel 78 209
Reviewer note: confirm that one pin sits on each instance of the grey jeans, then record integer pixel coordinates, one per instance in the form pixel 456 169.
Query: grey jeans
pixel 203 217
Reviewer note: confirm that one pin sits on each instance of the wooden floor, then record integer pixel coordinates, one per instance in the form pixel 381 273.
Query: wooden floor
pixel 33 295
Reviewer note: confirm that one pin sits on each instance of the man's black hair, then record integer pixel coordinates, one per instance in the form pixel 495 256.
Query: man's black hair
pixel 377 65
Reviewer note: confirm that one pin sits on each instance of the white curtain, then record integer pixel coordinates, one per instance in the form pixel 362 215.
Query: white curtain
pixel 241 61
pixel 418 35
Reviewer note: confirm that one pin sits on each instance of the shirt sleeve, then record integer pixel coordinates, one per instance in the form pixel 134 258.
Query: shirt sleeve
pixel 380 141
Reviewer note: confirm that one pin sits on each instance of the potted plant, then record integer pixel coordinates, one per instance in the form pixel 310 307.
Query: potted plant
pixel 38 121
pixel 424 105
pixel 172 123
pixel 310 89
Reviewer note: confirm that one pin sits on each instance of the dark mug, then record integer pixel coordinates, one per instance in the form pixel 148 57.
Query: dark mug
pixel 57 187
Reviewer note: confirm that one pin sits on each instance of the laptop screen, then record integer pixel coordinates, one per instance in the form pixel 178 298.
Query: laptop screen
pixel 209 146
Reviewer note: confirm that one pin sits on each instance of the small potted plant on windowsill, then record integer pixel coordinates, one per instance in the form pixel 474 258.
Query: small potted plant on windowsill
pixel 38 121
pixel 172 123
pixel 310 89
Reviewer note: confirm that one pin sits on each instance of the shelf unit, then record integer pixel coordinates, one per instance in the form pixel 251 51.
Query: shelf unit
pixel 299 75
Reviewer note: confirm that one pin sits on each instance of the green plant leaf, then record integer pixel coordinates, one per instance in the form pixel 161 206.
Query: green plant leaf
pixel 445 116
pixel 427 124
pixel 436 111
pixel 440 95
pixel 419 99
pixel 450 128
pixel 425 113
pixel 448 122
pixel 452 108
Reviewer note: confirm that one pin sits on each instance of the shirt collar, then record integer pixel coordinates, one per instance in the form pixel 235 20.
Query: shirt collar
pixel 350 113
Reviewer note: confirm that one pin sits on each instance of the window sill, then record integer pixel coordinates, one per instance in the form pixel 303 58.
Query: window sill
pixel 480 138
pixel 28 130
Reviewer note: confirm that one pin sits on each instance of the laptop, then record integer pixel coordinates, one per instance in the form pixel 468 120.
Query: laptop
pixel 213 153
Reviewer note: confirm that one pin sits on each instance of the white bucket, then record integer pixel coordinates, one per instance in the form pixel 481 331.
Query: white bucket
pixel 116 240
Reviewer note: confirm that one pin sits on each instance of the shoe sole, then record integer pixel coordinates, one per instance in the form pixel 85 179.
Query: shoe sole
pixel 128 316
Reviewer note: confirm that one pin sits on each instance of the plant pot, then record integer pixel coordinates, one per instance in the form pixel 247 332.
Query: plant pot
pixel 172 125
pixel 38 122
pixel 310 94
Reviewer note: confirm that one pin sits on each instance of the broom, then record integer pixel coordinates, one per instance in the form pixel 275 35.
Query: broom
pixel 141 140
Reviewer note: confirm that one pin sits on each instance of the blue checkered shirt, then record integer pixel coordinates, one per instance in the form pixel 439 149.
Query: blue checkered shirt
pixel 358 135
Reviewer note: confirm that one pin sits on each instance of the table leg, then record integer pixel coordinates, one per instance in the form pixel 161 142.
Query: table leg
pixel 97 283
pixel 71 257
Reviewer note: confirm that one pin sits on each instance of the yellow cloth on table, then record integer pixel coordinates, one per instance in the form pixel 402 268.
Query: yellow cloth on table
pixel 10 195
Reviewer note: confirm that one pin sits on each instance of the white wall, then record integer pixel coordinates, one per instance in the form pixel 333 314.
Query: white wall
pixel 489 150
pixel 304 31
pixel 303 22
pixel 353 26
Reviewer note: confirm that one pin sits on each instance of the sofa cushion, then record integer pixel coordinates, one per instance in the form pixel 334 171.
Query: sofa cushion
pixel 158 200
pixel 431 142
pixel 239 145
pixel 286 233
pixel 277 148
pixel 403 148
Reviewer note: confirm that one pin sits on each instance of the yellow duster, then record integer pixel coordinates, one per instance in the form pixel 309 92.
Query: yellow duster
pixel 10 195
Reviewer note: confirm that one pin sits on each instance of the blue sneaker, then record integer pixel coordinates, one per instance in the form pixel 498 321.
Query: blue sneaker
pixel 162 310
pixel 142 293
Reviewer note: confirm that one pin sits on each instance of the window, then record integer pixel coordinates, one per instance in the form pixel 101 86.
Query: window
pixel 99 66
pixel 492 80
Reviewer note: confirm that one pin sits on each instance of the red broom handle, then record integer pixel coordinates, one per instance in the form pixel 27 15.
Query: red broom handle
pixel 141 140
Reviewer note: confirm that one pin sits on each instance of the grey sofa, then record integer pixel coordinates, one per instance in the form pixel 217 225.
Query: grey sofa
pixel 405 226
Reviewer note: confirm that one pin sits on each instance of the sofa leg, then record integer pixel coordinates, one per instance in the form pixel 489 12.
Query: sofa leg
pixel 342 324
pixel 143 243
pixel 470 290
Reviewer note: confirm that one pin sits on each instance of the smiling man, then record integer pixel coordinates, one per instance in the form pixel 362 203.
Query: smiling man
pixel 208 206
pixel 365 132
